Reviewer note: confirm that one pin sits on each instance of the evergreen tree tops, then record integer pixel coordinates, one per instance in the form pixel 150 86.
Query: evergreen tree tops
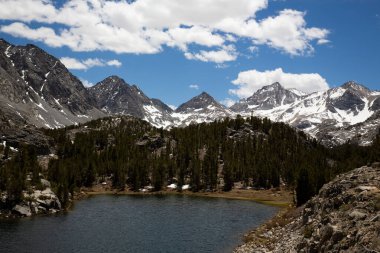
pixel 208 156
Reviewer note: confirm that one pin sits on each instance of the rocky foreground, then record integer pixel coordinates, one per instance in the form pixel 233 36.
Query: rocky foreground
pixel 343 217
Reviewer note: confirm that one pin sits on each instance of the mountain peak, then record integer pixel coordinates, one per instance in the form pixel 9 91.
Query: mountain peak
pixel 268 97
pixel 205 95
pixel 276 86
pixel 110 83
pixel 202 101
pixel 354 86
pixel 113 79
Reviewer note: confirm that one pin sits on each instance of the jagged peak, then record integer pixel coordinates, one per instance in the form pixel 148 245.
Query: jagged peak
pixel 205 95
pixel 113 79
pixel 200 101
pixel 354 85
pixel 113 82
pixel 275 85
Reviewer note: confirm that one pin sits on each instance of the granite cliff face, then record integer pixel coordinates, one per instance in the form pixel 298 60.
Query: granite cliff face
pixel 343 217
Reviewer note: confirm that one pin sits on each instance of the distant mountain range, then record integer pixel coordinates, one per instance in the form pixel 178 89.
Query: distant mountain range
pixel 37 89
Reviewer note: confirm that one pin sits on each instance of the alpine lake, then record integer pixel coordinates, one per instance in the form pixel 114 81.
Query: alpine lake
pixel 138 223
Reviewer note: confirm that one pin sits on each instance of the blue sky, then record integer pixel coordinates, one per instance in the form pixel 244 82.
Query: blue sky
pixel 203 52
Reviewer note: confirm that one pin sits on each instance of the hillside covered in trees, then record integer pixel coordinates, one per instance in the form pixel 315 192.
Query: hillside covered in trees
pixel 207 157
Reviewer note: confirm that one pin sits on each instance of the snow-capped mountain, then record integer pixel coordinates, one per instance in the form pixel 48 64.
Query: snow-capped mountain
pixel 37 89
pixel 115 96
pixel 267 98
pixel 320 113
pixel 202 108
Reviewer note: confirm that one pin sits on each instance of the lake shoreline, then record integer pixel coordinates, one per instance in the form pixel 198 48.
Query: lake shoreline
pixel 273 197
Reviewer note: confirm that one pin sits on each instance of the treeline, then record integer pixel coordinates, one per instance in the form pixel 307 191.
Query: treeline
pixel 213 156
pixel 257 152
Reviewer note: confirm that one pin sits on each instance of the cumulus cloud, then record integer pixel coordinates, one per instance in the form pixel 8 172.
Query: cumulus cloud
pixel 72 63
pixel 228 102
pixel 219 56
pixel 146 26
pixel 115 63
pixel 250 81
pixel 194 86
pixel 86 83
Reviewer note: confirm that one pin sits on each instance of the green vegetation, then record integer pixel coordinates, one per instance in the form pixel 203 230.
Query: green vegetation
pixel 129 152
pixel 13 174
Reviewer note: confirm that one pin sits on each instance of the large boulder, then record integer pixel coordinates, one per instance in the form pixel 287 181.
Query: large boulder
pixel 22 210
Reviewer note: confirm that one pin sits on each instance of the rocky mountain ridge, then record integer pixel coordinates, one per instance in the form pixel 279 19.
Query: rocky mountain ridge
pixel 38 90
pixel 324 115
pixel 266 98
pixel 348 112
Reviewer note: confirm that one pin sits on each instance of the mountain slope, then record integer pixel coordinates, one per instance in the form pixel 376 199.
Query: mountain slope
pixel 37 89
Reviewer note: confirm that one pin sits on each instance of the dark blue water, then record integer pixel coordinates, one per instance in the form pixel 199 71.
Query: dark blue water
pixel 137 224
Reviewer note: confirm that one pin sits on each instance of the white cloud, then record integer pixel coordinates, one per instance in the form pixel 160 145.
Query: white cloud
pixel 323 41
pixel 194 86
pixel 93 62
pixel 228 102
pixel 250 81
pixel 44 34
pixel 115 63
pixel 72 63
pixel 146 26
pixel 86 83
pixel 227 53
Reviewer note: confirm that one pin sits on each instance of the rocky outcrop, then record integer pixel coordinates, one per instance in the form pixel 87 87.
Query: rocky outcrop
pixel 34 202
pixel 343 217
